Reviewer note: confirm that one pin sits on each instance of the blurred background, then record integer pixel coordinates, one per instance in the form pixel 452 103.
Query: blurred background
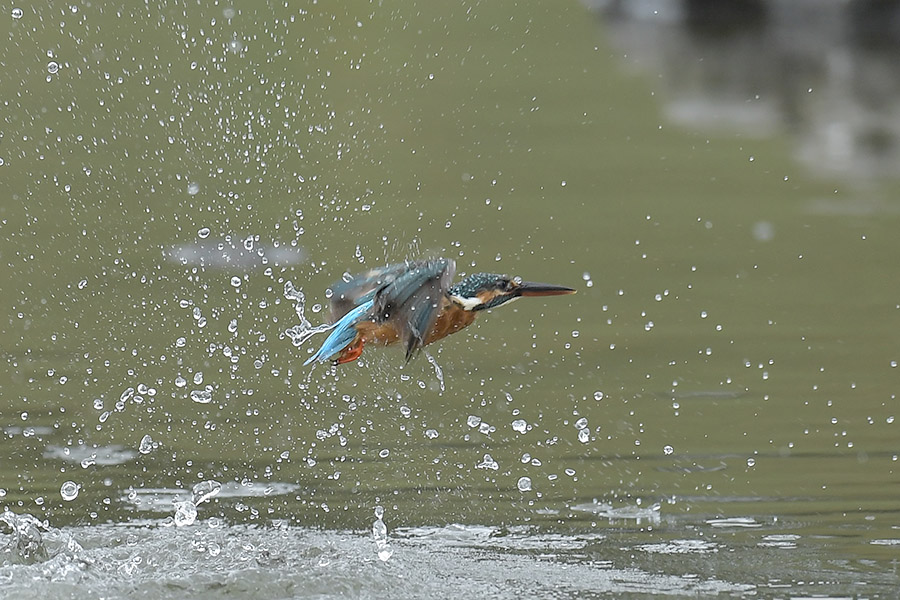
pixel 717 179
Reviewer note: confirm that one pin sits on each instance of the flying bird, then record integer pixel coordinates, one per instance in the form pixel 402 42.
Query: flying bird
pixel 414 303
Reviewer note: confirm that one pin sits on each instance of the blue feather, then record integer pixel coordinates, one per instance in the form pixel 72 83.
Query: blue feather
pixel 344 332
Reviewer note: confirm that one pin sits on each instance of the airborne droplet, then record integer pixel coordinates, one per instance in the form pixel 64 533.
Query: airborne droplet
pixel 69 491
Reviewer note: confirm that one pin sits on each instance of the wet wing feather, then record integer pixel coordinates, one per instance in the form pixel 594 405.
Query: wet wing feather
pixel 412 300
pixel 360 288
pixel 343 334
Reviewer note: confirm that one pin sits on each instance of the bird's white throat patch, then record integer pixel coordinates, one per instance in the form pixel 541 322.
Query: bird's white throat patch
pixel 466 303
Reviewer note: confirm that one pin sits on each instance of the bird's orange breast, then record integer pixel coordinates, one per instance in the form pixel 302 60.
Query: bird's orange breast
pixel 377 333
pixel 451 319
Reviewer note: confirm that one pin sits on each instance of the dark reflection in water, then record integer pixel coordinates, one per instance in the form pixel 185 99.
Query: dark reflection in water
pixel 825 71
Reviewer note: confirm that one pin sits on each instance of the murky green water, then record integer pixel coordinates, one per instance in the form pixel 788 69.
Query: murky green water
pixel 712 413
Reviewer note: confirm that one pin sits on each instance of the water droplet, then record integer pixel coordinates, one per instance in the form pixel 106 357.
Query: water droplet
pixel 198 377
pixel 751 462
pixel 520 425
pixel 667 450
pixel 473 421
pixel 584 436
pixel 193 189
pixel 581 423
pixel 385 553
pixel 598 395
pixel 487 462
pixel 384 453
pixel 236 282
pixel 52 67
pixel 431 434
pixel 203 396
pixel 524 484
pixel 69 491
pixel 205 490
pixel 17 13
pixel 147 445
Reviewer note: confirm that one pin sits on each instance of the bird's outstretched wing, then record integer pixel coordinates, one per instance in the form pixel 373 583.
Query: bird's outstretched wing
pixel 356 290
pixel 412 299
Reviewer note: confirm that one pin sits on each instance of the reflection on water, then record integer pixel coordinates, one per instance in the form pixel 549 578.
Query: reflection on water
pixel 229 253
pixel 638 513
pixel 826 71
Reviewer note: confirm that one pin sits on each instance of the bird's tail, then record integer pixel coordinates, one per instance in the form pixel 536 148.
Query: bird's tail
pixel 342 335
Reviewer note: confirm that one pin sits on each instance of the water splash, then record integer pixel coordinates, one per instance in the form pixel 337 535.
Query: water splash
pixel 186 510
pixel 27 537
pixel 34 541
pixel 438 372
pixel 299 334
pixel 379 533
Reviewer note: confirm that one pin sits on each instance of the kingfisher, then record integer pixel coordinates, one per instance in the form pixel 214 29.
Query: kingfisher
pixel 414 303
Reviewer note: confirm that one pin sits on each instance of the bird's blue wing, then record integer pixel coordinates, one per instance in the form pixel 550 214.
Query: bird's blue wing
pixel 413 299
pixel 354 290
pixel 343 334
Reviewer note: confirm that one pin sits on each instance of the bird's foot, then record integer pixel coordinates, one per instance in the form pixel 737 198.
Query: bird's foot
pixel 350 353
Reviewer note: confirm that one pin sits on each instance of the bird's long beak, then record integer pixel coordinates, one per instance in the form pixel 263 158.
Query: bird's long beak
pixel 530 288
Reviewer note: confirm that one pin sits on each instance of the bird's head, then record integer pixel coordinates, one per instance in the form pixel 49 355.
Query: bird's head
pixel 489 290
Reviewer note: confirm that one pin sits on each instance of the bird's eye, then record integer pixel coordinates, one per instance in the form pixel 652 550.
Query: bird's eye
pixel 508 284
